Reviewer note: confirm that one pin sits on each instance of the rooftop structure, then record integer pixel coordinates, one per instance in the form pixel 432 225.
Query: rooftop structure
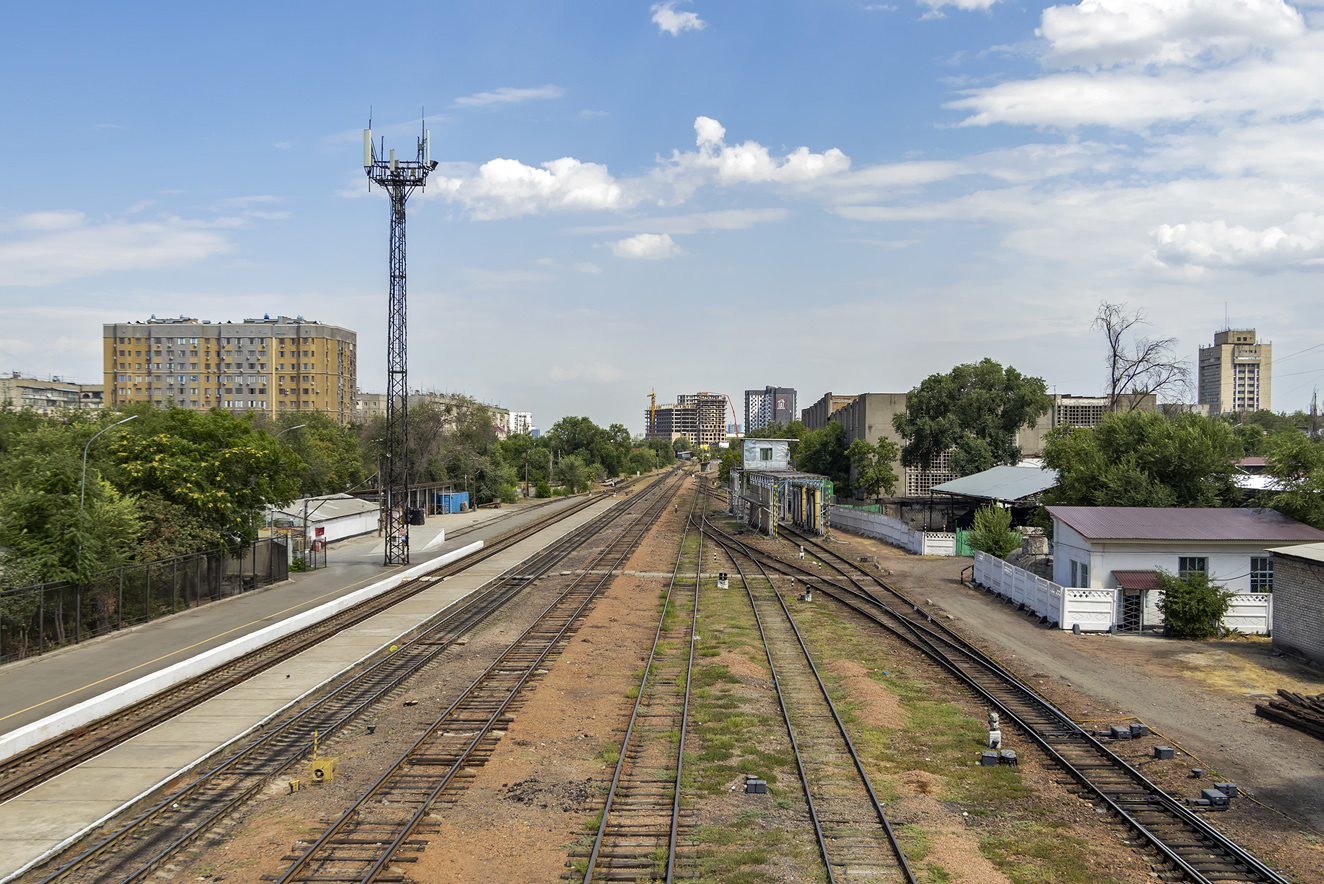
pixel 1183 523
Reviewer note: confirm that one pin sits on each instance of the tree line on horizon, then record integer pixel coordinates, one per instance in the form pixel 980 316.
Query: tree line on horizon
pixel 174 481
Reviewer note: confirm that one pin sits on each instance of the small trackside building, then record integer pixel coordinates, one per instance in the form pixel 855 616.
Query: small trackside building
pixel 1298 608
pixel 1122 548
pixel 1092 543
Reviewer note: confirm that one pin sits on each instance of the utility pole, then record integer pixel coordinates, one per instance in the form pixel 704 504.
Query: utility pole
pixel 398 178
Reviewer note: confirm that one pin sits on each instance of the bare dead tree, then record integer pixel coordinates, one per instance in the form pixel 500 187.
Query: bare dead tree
pixel 1138 365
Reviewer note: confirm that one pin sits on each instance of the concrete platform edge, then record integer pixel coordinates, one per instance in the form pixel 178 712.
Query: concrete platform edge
pixel 76 716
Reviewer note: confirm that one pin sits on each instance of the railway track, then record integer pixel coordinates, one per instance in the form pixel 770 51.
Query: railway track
pixel 385 829
pixel 138 848
pixel 1184 845
pixel 637 836
pixel 48 759
pixel 855 839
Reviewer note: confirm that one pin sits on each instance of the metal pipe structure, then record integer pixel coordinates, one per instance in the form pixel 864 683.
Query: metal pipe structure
pixel 398 178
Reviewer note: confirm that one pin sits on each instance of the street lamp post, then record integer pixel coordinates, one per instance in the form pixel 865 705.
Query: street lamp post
pixel 287 429
pixel 82 482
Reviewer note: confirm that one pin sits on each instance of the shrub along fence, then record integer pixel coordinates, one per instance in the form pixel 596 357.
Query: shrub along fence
pixel 35 619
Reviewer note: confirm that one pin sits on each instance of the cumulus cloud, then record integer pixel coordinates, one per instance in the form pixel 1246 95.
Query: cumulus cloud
pixel 508 95
pixel 586 267
pixel 505 188
pixel 724 164
pixel 1144 62
pixel 648 246
pixel 52 247
pixel 1105 33
pixel 1219 244
pixel 594 372
pixel 669 21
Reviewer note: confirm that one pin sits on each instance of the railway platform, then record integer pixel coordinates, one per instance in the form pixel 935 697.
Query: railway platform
pixel 51 815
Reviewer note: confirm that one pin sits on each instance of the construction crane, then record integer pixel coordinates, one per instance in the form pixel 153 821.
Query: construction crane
pixel 652 413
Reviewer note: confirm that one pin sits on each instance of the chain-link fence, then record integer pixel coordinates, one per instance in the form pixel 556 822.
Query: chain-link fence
pixel 35 619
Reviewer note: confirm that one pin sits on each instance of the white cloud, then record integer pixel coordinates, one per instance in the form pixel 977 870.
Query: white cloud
pixel 54 247
pixel 595 372
pixel 282 145
pixel 648 246
pixel 1104 33
pixel 586 267
pixel 507 188
pixel 509 95
pixel 504 188
pixel 1218 244
pixel 669 21
pixel 1148 62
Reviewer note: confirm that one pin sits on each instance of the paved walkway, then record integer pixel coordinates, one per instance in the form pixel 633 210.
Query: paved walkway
pixel 40 686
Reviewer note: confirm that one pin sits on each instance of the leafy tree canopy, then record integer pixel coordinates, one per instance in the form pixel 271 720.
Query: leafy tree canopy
pixel 823 451
pixel 1297 463
pixel 974 411
pixel 992 531
pixel 873 466
pixel 1144 459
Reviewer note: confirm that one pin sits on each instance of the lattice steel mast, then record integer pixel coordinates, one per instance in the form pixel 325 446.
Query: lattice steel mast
pixel 398 178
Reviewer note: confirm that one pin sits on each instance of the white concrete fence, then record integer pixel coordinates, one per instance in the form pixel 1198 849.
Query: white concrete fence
pixel 894 531
pixel 1097 610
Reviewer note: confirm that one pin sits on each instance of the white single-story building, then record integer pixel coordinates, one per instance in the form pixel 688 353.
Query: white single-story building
pixel 1123 548
pixel 1092 544
pixel 331 518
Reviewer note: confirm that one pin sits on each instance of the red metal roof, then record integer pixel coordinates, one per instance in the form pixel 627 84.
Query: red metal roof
pixel 1179 523
pixel 1137 579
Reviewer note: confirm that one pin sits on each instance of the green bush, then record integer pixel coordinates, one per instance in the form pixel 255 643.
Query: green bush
pixel 298 563
pixel 992 531
pixel 1192 606
pixel 544 490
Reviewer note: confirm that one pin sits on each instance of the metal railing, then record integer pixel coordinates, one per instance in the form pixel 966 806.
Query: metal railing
pixel 36 619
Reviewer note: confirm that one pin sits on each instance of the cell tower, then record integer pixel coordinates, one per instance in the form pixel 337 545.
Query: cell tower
pixel 398 178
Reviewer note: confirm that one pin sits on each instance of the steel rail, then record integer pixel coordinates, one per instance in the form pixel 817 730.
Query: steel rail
pixel 826 851
pixel 288 740
pixel 516 666
pixel 1056 734
pixel 54 756
pixel 622 761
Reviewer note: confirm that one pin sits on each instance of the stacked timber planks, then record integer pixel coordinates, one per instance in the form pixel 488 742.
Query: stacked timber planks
pixel 1304 713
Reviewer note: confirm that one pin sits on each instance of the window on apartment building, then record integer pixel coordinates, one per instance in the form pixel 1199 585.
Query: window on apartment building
pixel 1261 574
pixel 1187 565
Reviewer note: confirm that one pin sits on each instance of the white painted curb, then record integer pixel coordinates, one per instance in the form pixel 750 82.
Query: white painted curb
pixel 90 710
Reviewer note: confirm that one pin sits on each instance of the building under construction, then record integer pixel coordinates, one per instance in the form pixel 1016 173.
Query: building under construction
pixel 697 417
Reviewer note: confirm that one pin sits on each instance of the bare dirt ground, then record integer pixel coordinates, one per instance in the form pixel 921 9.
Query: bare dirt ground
pixel 525 809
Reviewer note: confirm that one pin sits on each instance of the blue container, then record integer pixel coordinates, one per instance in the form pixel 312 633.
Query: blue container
pixel 452 501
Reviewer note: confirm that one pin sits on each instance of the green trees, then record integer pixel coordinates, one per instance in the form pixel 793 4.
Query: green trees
pixel 823 451
pixel 974 411
pixel 1192 606
pixel 174 481
pixel 992 531
pixel 1144 459
pixel 1297 465
pixel 873 466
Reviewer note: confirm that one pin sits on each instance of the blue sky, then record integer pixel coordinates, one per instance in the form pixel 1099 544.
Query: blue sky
pixel 683 196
